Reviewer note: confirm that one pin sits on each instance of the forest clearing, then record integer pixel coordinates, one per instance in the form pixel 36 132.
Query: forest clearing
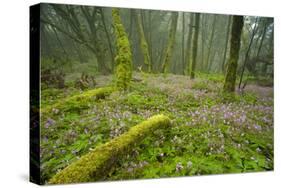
pixel 134 94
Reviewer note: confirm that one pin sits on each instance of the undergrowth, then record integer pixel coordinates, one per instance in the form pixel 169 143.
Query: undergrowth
pixel 212 132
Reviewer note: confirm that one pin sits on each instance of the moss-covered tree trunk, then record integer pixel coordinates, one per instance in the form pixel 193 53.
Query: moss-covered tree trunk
pixel 171 41
pixel 236 30
pixel 123 59
pixel 143 42
pixel 195 45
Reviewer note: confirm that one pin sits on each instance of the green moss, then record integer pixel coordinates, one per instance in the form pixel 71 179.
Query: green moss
pixel 96 164
pixel 80 101
pixel 123 59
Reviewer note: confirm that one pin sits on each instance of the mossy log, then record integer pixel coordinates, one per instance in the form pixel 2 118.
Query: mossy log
pixel 80 101
pixel 96 164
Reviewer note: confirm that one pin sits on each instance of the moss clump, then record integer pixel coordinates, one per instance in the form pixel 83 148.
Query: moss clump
pixel 80 101
pixel 96 164
pixel 123 59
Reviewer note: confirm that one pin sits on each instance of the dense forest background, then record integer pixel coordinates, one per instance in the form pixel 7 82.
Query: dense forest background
pixel 161 41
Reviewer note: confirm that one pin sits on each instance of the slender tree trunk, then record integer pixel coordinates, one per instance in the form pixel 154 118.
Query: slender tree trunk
pixel 236 30
pixel 150 44
pixel 203 20
pixel 108 40
pixel 60 42
pixel 226 43
pixel 188 45
pixel 143 42
pixel 131 23
pixel 247 53
pixel 211 42
pixel 171 42
pixel 270 52
pixel 183 41
pixel 194 45
pixel 262 39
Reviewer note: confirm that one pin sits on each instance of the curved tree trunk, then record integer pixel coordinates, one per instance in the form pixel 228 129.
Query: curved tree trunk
pixel 248 53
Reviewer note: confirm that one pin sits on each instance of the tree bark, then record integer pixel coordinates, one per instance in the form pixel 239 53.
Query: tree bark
pixel 188 46
pixel 143 42
pixel 171 41
pixel 211 42
pixel 183 41
pixel 194 45
pixel 236 30
pixel 123 57
pixel 226 43
pixel 248 52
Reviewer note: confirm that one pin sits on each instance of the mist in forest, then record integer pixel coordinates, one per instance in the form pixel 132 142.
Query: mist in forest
pixel 107 74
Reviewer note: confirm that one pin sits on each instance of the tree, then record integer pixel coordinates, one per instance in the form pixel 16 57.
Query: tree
pixel 143 42
pixel 86 32
pixel 171 41
pixel 248 52
pixel 183 41
pixel 226 43
pixel 236 30
pixel 211 42
pixel 188 46
pixel 123 59
pixel 194 45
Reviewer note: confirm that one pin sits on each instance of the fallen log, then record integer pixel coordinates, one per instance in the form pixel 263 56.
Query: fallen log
pixel 78 102
pixel 96 164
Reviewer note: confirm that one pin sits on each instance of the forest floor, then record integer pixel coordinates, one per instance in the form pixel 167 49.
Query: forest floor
pixel 211 133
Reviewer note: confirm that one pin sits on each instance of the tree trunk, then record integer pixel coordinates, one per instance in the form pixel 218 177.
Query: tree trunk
pixel 143 42
pixel 183 41
pixel 202 41
pixel 123 59
pixel 247 53
pixel 194 45
pixel 171 41
pixel 188 46
pixel 211 42
pixel 236 30
pixel 226 43
pixel 108 40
